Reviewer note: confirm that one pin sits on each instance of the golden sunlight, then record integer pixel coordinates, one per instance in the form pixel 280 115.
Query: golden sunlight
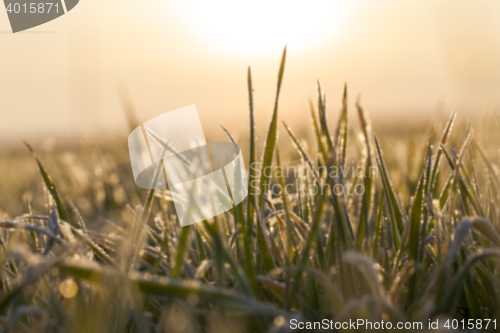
pixel 264 26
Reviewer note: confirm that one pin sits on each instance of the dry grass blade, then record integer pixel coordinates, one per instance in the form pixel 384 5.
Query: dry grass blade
pixel 34 240
pixel 29 227
pixel 166 146
pixel 301 150
pixel 229 136
pixel 128 107
pixel 54 227
pixel 366 266
pixel 407 271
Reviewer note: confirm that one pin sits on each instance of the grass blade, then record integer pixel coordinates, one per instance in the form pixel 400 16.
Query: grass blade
pixel 272 136
pixel 324 123
pixel 51 187
pixel 304 257
pixel 263 241
pixel 367 195
pixel 396 212
pixel 378 227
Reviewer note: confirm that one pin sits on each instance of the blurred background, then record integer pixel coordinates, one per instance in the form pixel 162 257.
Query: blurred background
pixel 406 58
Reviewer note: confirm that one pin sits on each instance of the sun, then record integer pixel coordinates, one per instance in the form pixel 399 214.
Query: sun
pixel 263 26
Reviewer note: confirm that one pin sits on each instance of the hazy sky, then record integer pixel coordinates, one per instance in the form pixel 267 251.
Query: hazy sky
pixel 402 56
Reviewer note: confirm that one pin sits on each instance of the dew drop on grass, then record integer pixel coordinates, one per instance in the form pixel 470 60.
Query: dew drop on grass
pixel 68 288
pixel 278 321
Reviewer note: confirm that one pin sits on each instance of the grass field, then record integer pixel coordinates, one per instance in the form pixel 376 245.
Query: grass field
pixel 83 249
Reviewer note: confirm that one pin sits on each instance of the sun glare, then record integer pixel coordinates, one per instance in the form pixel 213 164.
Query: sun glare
pixel 262 26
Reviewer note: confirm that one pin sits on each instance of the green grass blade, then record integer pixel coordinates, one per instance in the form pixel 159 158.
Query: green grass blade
pixel 466 189
pixel 224 253
pixel 453 292
pixel 414 235
pixel 362 233
pixel 181 249
pixel 324 124
pixel 341 134
pixel 489 166
pixel 34 240
pixel 178 289
pixel 396 211
pixel 304 257
pixel 444 139
pixel 79 218
pixel 201 247
pixel 317 132
pixel 51 187
pixel 272 136
pixel 290 243
pixel 263 242
pixel 252 178
pixel 378 227
pixel 443 198
pixel 247 249
pixel 252 186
